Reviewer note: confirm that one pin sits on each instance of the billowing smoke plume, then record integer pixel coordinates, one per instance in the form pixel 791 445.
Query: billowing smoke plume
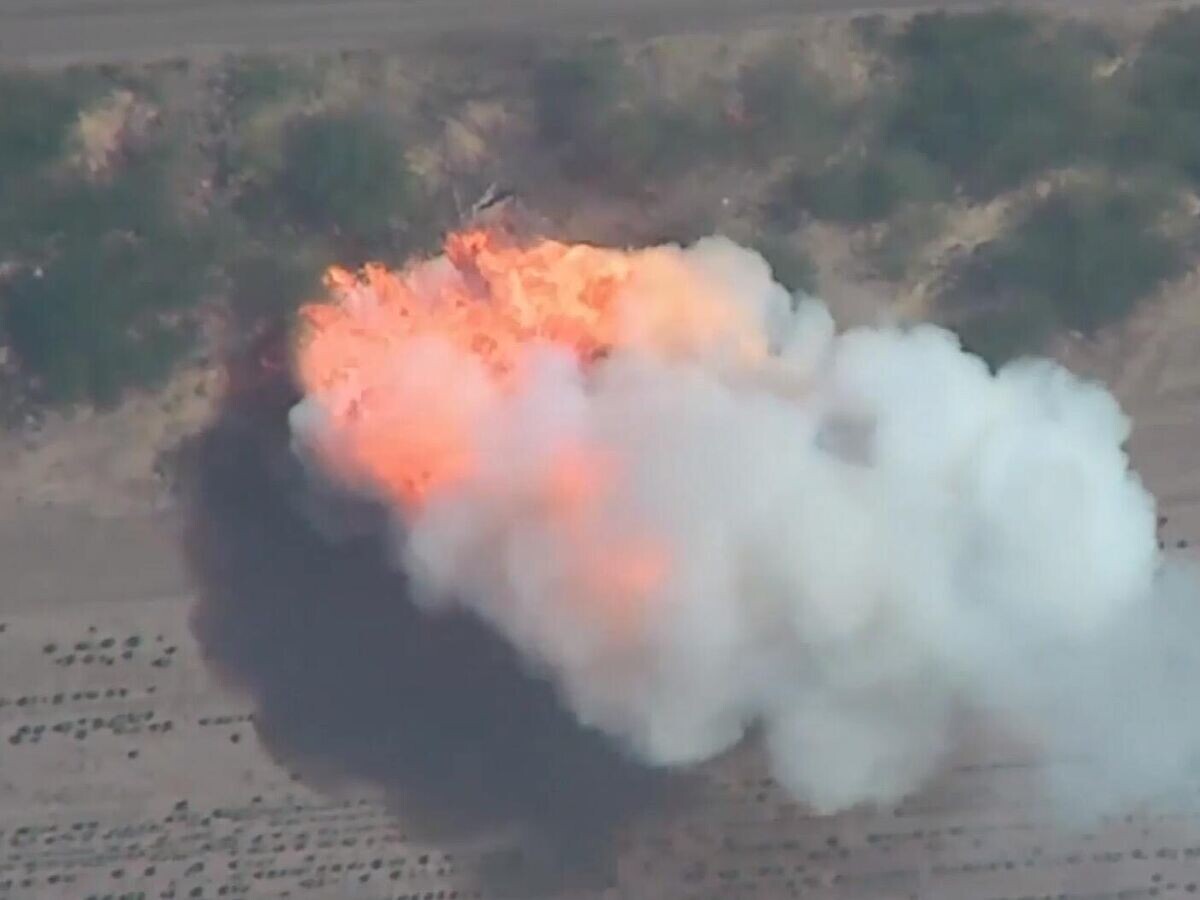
pixel 697 508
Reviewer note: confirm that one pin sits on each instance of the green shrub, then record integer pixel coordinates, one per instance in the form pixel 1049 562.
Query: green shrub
pixel 134 201
pixel 109 278
pixel 344 175
pixel 611 127
pixel 573 92
pixel 252 82
pixel 1163 107
pixel 267 286
pixel 611 124
pixel 990 98
pixel 652 141
pixel 1011 327
pixel 788 109
pixel 35 115
pixel 98 317
pixel 1080 259
pixel 854 191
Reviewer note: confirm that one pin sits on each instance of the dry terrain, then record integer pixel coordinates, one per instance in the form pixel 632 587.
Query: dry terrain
pixel 130 769
pixel 53 31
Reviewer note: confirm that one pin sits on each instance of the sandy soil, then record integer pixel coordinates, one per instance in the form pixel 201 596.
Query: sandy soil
pixel 128 766
pixel 55 31
pixel 129 769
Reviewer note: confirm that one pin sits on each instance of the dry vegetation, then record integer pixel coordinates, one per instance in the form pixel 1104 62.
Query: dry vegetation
pixel 145 215
pixel 1017 178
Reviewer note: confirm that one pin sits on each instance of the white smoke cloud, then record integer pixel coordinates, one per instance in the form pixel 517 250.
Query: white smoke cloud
pixel 865 535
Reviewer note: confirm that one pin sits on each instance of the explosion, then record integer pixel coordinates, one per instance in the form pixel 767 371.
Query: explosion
pixel 697 508
pixel 490 300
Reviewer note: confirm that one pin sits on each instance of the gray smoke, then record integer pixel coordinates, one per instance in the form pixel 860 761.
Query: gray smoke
pixel 848 543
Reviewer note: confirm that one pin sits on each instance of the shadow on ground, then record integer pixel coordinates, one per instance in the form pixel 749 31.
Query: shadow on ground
pixel 352 682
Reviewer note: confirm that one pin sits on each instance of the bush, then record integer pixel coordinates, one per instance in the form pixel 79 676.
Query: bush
pixel 572 93
pixel 344 175
pixel 610 127
pixel 135 201
pixel 653 141
pixel 1079 259
pixel 866 190
pixel 268 286
pixel 1010 327
pixel 1163 108
pixel 787 109
pixel 989 98
pixel 102 300
pixel 252 82
pixel 35 115
pixel 96 319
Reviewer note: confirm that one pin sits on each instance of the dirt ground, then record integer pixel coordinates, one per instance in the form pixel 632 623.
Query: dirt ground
pixel 58 31
pixel 130 767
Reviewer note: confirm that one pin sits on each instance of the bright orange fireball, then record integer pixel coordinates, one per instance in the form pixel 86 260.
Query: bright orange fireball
pixel 488 298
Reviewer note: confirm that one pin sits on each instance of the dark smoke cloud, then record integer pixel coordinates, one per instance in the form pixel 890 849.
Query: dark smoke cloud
pixel 351 681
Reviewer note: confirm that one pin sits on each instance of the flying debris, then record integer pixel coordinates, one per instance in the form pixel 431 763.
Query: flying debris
pixel 492 197
pixel 498 209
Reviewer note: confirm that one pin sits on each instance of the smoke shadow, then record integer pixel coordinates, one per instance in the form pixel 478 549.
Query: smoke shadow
pixel 352 681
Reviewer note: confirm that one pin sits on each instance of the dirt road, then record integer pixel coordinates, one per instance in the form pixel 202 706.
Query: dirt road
pixel 58 31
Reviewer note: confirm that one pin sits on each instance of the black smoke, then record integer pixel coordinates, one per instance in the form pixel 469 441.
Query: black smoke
pixel 351 681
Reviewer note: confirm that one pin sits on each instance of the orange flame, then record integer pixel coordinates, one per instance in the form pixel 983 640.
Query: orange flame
pixel 491 298
pixel 401 365
pixel 503 297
